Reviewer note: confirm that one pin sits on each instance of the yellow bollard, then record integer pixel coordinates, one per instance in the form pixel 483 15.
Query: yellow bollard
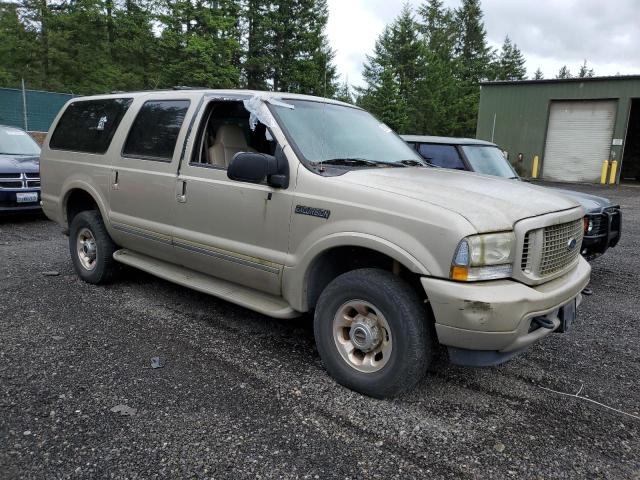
pixel 603 172
pixel 536 166
pixel 612 174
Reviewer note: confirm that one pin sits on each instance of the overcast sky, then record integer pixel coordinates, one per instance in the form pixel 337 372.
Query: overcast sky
pixel 550 33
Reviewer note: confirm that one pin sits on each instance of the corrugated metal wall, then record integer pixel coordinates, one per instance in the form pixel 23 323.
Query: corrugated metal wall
pixel 42 107
pixel 521 112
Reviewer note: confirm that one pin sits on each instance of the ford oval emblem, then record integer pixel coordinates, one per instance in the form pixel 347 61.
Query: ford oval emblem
pixel 571 244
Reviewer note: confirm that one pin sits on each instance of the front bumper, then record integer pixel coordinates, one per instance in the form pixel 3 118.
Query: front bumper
pixel 9 203
pixel 607 229
pixel 497 316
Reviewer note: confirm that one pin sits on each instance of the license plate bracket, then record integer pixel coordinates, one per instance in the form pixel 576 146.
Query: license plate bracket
pixel 26 197
pixel 567 316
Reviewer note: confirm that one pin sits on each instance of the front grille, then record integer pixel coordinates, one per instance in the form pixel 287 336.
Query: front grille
pixel 19 181
pixel 10 184
pixel 525 263
pixel 557 252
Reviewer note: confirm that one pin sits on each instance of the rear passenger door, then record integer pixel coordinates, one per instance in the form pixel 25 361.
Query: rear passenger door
pixel 143 176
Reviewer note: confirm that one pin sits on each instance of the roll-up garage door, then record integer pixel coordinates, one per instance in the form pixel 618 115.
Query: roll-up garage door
pixel 578 140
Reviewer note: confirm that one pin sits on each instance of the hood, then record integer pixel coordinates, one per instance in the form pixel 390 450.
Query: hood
pixel 488 203
pixel 591 203
pixel 19 164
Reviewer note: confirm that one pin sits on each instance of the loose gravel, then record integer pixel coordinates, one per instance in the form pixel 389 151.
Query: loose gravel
pixel 241 395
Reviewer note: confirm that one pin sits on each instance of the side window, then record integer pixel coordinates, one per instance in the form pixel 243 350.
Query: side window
pixel 445 156
pixel 89 125
pixel 225 130
pixel 155 130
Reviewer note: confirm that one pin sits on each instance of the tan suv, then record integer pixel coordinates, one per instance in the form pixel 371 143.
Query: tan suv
pixel 287 204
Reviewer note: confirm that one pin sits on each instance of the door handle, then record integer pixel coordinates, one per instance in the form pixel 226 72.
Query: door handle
pixel 115 185
pixel 181 191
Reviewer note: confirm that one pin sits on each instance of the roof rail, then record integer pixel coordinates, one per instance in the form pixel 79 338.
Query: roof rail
pixel 185 87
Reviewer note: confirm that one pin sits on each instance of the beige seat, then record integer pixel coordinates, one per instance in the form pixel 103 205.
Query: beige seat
pixel 230 140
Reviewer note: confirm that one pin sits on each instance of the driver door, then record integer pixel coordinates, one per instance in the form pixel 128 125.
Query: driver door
pixel 229 229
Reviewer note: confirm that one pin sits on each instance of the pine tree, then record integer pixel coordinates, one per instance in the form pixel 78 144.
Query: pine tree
pixel 538 75
pixel 511 62
pixel 585 71
pixel 16 47
pixel 200 44
pixel 345 93
pixel 440 87
pixel 386 102
pixel 474 63
pixel 564 73
pixel 257 66
pixel 397 67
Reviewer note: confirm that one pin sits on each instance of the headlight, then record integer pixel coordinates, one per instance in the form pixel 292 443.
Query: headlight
pixel 484 257
pixel 588 225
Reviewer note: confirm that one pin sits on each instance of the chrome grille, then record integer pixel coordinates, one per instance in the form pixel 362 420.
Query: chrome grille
pixel 525 262
pixel 556 252
pixel 19 181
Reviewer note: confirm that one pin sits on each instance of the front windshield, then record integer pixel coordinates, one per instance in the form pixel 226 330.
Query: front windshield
pixel 488 160
pixel 16 142
pixel 323 132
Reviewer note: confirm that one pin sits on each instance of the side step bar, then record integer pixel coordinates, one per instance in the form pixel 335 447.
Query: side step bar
pixel 245 297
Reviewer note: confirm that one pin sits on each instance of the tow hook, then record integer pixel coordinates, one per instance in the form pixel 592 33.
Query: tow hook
pixel 544 322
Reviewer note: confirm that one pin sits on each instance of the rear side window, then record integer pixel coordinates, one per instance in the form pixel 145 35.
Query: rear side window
pixel 445 156
pixel 155 130
pixel 89 125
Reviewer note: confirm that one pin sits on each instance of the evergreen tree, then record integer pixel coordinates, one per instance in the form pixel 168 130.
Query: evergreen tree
pixel 440 87
pixel 200 44
pixel 16 47
pixel 564 73
pixel 474 64
pixel 386 102
pixel 257 65
pixel 538 75
pixel 585 71
pixel 511 62
pixel 344 93
pixel 397 68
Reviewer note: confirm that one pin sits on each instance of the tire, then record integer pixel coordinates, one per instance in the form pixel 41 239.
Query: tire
pixel 88 227
pixel 368 296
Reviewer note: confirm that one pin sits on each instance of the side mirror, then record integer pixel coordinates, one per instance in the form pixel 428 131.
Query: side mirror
pixel 249 167
pixel 255 167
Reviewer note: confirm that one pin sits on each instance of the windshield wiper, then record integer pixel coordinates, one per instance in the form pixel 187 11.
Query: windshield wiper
pixel 416 163
pixel 358 162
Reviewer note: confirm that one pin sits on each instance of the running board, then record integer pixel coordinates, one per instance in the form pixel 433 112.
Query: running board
pixel 245 297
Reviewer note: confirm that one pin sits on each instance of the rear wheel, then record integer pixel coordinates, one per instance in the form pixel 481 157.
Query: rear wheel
pixel 371 332
pixel 91 248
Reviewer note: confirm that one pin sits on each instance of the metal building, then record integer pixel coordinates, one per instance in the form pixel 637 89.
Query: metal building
pixel 572 125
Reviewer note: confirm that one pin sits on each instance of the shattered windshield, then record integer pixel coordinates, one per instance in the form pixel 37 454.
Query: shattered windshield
pixel 488 160
pixel 339 135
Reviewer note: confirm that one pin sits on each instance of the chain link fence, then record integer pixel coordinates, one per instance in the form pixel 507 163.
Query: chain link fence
pixel 32 110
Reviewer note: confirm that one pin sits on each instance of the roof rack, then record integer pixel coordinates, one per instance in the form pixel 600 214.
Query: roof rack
pixel 185 87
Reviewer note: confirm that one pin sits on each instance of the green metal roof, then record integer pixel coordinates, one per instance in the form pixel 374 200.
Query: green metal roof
pixel 563 80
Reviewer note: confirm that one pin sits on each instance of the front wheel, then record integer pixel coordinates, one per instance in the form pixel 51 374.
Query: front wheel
pixel 91 248
pixel 371 331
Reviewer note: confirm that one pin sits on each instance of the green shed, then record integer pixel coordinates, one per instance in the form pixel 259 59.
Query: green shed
pixel 572 125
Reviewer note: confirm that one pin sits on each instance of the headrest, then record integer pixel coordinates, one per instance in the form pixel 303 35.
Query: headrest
pixel 231 136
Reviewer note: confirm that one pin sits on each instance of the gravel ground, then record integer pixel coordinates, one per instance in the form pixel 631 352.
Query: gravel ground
pixel 245 396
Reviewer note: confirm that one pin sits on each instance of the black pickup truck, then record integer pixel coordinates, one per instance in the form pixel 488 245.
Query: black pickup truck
pixel 603 220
